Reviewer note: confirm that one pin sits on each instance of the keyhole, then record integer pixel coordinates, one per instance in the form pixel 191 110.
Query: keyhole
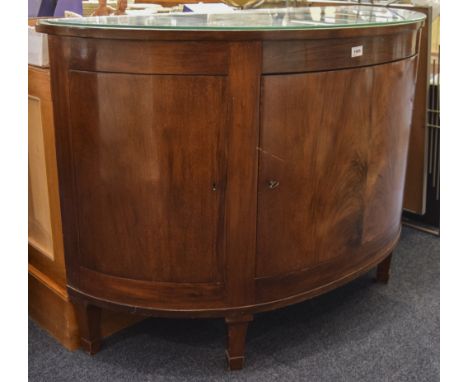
pixel 273 184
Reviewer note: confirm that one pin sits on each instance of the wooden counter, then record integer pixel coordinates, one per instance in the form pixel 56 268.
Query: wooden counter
pixel 221 173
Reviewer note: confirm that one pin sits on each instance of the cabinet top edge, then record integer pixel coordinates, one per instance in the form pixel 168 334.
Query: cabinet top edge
pixel 263 24
pixel 225 36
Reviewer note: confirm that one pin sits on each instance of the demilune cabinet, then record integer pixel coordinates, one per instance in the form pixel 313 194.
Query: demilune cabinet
pixel 220 173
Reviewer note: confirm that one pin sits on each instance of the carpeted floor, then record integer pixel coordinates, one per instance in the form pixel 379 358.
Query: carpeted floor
pixel 360 332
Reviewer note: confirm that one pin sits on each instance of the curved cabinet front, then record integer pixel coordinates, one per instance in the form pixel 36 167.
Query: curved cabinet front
pixel 149 187
pixel 334 144
pixel 218 177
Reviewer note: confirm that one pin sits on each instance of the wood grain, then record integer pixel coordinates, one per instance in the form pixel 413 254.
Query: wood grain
pixel 152 294
pixel 313 55
pixel 149 57
pixel 149 183
pixel 89 321
pixel 330 157
pixel 53 313
pixel 241 194
pixel 50 307
pixel 48 302
pixel 225 189
pixel 49 258
pixel 314 142
pixel 415 183
pixel 237 332
pixel 39 222
pixel 393 96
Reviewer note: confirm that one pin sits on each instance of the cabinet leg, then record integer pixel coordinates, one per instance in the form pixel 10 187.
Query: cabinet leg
pixel 383 270
pixel 236 333
pixel 89 325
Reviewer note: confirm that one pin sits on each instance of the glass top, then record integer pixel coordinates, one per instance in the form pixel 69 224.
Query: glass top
pixel 259 19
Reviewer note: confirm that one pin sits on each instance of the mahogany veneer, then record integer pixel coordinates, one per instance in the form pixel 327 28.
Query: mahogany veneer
pixel 48 300
pixel 220 174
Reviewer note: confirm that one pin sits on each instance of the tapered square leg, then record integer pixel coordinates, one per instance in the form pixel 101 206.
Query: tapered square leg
pixel 383 270
pixel 89 324
pixel 236 334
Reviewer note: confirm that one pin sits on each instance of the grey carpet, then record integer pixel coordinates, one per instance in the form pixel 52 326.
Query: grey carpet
pixel 360 332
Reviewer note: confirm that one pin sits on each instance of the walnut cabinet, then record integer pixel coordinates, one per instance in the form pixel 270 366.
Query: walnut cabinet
pixel 218 172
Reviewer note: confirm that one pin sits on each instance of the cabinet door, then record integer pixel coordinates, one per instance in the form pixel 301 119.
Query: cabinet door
pixel 332 165
pixel 149 175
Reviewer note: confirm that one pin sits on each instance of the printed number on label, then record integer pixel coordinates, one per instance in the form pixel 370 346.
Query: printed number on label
pixel 357 51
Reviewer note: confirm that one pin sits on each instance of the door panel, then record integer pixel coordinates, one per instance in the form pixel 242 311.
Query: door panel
pixel 39 221
pixel 392 97
pixel 313 132
pixel 149 184
pixel 334 145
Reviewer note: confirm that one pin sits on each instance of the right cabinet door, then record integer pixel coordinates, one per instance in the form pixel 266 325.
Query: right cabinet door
pixel 333 148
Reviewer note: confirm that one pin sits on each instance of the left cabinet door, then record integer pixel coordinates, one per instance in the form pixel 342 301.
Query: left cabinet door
pixel 149 169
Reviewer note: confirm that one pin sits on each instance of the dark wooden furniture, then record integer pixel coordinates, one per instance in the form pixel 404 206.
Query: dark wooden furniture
pixel 48 300
pixel 218 173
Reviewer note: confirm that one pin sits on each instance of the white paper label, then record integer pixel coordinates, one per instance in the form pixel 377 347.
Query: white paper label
pixel 357 51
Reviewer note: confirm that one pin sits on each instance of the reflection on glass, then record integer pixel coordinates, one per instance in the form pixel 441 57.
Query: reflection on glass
pixel 258 19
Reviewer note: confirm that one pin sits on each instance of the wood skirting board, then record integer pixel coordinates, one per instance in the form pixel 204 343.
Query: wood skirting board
pixel 50 307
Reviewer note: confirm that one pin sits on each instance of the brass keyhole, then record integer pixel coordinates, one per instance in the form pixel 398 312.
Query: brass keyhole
pixel 273 184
